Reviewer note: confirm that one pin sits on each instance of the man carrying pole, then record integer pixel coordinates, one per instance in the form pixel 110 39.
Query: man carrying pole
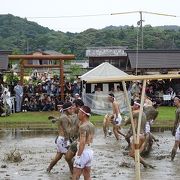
pixel 176 128
pixel 136 112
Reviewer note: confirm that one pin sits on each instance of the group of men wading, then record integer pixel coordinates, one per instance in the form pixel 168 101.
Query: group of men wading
pixel 76 133
pixel 75 137
pixel 146 138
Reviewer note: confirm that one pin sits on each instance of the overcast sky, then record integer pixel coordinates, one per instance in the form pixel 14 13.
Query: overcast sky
pixel 59 8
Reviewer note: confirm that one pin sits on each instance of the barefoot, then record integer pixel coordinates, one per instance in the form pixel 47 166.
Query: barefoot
pixel 48 170
pixel 149 166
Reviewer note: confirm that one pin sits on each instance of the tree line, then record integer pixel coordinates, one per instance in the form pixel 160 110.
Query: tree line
pixel 23 37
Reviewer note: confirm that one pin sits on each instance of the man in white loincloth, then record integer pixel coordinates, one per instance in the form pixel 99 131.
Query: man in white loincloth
pixel 117 115
pixel 64 128
pixel 176 128
pixel 84 155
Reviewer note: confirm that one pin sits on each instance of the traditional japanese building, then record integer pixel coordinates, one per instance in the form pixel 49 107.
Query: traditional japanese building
pixel 136 62
pixel 113 55
pixel 153 61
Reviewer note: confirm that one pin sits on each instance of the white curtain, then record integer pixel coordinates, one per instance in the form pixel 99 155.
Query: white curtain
pixel 99 104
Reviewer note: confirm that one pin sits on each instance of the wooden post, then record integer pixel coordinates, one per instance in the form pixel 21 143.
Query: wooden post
pixel 21 72
pixel 62 79
pixel 60 58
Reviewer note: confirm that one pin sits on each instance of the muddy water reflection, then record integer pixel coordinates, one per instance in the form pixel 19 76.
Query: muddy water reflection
pixel 37 148
pixel 20 133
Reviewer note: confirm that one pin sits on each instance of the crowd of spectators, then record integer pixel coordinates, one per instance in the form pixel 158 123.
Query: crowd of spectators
pixel 43 92
pixel 161 92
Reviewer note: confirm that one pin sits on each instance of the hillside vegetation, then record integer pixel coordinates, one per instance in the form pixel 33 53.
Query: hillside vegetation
pixel 23 36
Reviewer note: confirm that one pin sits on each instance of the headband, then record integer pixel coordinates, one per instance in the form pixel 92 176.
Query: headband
pixel 137 103
pixel 88 114
pixel 62 110
pixel 177 97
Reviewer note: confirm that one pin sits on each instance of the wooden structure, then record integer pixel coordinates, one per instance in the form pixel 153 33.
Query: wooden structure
pixel 115 55
pixel 59 58
pixel 136 62
pixel 4 60
pixel 132 78
pixel 148 61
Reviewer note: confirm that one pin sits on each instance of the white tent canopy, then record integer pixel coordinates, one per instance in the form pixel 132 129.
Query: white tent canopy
pixel 98 101
pixel 102 71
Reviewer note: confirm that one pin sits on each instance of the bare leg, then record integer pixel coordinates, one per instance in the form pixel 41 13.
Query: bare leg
pixel 87 173
pixel 115 132
pixel 76 173
pixel 54 161
pixel 69 159
pixel 174 150
pixel 118 130
pixel 106 125
pixel 144 147
pixel 105 130
pixel 127 138
pixel 132 153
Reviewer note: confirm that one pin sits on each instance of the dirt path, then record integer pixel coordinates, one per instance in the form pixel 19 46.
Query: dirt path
pixel 110 158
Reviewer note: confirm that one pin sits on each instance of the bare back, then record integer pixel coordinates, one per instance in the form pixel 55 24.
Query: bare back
pixel 115 108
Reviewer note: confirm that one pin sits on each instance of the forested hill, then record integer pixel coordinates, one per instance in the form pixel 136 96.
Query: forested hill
pixel 23 36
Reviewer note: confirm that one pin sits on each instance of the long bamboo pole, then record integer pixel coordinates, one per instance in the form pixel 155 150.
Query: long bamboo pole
pixel 130 109
pixel 131 78
pixel 137 155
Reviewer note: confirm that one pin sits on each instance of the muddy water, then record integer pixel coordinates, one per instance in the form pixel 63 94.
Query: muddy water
pixel 110 158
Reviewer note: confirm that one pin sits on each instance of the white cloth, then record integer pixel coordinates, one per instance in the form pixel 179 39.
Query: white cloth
pixel 62 144
pixel 85 159
pixel 118 120
pixel 7 97
pixel 147 127
pixel 177 135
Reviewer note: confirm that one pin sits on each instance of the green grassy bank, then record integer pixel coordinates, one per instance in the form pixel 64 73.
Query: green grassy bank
pixel 40 119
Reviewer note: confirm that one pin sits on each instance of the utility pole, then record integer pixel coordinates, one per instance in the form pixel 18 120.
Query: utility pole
pixel 141 20
pixel 141 29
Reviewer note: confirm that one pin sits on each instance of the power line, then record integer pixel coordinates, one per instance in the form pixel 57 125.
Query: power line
pixel 146 12
pixel 96 15
pixel 73 16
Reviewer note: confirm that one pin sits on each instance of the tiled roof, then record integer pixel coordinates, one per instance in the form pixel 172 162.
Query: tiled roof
pixel 154 59
pixel 106 51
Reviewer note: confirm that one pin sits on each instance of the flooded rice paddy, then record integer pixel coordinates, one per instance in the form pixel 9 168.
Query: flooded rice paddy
pixel 111 161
